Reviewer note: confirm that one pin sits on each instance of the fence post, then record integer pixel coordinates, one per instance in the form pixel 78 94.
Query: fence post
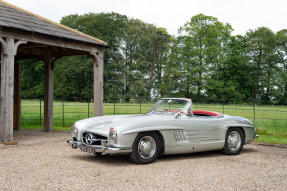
pixel 114 107
pixel 88 109
pixel 254 117
pixel 63 109
pixel 40 112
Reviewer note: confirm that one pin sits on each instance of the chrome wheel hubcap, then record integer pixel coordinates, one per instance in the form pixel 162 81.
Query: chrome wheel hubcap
pixel 146 147
pixel 234 140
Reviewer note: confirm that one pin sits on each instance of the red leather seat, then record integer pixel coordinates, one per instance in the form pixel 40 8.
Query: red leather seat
pixel 207 113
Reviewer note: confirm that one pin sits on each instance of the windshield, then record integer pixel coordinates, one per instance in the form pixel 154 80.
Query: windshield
pixel 172 106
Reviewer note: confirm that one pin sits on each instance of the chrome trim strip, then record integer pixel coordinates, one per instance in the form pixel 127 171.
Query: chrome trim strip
pixel 103 149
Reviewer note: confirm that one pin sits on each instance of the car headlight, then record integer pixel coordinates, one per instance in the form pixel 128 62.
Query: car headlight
pixel 113 137
pixel 74 131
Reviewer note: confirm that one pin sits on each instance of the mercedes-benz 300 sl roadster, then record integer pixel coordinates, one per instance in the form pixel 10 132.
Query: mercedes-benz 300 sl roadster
pixel 170 127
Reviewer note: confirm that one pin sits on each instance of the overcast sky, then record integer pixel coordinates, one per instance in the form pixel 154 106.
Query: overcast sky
pixel 171 14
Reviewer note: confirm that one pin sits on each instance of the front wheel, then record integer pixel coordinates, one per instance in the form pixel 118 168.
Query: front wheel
pixel 146 148
pixel 233 141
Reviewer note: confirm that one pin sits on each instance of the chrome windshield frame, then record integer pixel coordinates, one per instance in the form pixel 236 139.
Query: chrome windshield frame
pixel 188 111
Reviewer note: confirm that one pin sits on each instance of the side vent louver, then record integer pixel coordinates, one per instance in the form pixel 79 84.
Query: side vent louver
pixel 180 136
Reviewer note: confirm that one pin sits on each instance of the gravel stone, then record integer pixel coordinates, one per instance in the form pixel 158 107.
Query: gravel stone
pixel 44 161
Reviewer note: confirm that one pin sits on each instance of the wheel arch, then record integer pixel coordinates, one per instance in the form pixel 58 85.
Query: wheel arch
pixel 238 127
pixel 162 141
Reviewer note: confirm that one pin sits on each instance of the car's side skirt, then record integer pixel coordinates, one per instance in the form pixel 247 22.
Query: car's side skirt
pixel 192 148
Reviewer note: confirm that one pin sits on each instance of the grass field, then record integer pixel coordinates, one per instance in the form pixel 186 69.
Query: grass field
pixel 270 121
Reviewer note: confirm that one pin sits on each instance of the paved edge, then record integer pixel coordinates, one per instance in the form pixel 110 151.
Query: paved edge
pixel 270 144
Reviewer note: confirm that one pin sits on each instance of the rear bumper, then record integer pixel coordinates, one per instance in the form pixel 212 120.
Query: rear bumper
pixel 102 149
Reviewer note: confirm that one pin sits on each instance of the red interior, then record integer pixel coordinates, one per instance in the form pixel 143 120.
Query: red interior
pixel 211 113
pixel 206 113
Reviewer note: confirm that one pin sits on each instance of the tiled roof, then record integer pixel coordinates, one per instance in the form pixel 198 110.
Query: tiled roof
pixel 20 19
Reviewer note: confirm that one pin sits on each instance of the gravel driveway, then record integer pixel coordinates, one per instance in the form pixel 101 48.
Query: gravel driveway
pixel 43 161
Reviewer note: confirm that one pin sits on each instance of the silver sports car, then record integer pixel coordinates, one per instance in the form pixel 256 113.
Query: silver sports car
pixel 170 127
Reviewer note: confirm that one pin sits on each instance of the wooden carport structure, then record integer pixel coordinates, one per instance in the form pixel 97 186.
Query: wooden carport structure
pixel 24 35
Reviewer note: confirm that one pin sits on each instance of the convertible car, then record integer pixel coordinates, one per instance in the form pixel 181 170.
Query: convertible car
pixel 170 127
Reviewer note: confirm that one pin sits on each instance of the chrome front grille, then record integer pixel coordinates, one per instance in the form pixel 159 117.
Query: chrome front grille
pixel 93 139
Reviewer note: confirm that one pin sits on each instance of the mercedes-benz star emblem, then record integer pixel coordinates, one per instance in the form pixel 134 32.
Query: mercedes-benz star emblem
pixel 89 138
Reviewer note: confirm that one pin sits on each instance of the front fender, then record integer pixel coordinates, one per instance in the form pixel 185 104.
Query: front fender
pixel 249 131
pixel 126 138
pixel 238 125
pixel 152 128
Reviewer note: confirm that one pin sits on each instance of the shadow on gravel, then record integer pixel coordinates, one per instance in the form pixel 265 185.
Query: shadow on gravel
pixel 125 160
pixel 120 160
pixel 248 150
pixel 117 160
pixel 208 154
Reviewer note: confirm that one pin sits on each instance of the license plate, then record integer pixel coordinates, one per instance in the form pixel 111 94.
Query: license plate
pixel 83 148
pixel 90 150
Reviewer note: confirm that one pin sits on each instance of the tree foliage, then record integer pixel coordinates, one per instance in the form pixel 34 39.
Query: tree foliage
pixel 205 62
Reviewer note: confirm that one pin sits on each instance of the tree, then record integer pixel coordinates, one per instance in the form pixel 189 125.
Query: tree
pixel 203 44
pixel 74 78
pixel 159 52
pixel 204 62
pixel 261 52
pixel 111 28
pixel 281 37
pixel 32 78
pixel 135 56
pixel 237 71
pixel 173 71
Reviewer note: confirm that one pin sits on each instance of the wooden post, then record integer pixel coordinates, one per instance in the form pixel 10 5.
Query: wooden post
pixel 48 92
pixel 17 97
pixel 8 52
pixel 98 82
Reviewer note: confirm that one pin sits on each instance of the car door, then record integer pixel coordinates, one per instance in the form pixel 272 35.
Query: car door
pixel 202 130
pixel 200 133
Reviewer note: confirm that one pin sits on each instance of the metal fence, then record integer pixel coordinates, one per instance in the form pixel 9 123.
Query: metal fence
pixel 66 112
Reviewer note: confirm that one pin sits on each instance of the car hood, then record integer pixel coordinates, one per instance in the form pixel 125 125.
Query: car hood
pixel 102 124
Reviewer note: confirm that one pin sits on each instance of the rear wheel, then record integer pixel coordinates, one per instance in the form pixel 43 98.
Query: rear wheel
pixel 233 141
pixel 146 148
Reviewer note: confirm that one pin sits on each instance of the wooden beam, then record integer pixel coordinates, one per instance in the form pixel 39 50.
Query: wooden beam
pixel 27 57
pixel 48 92
pixel 50 40
pixel 8 51
pixel 17 97
pixel 42 51
pixel 0 75
pixel 98 82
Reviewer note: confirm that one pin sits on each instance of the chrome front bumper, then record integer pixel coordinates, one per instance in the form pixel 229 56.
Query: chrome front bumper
pixel 102 149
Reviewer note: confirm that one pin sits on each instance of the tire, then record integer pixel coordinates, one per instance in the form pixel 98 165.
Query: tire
pixel 146 148
pixel 234 140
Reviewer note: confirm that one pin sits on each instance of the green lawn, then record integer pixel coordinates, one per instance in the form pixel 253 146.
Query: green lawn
pixel 272 139
pixel 270 121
